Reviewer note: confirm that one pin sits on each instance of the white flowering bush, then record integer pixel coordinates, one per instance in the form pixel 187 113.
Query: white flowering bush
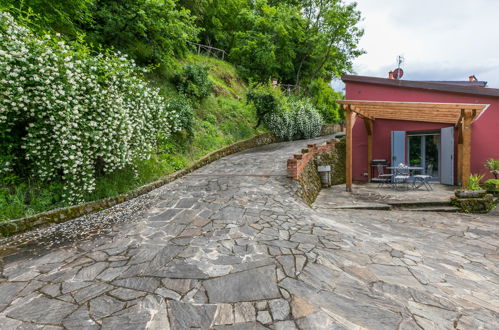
pixel 298 120
pixel 65 114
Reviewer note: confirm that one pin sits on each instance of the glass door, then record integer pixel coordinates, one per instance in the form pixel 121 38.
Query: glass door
pixel 424 151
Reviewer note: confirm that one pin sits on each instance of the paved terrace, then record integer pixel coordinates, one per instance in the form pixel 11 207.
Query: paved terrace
pixel 231 247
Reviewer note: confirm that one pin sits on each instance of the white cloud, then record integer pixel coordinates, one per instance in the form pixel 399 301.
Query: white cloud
pixel 440 39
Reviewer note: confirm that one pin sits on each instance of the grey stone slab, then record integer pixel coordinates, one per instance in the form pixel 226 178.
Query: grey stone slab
pixel 186 203
pixel 288 264
pixel 8 292
pixel 244 312
pixel 111 273
pixel 42 310
pixel 264 317
pixel 279 308
pixel 103 306
pixel 242 326
pixel 255 284
pixel 180 269
pixel 80 319
pixel 71 286
pixel 89 273
pixel 285 325
pixel 165 216
pixel 89 292
pixel 182 286
pixel 167 293
pixel 148 284
pixel 185 315
pixel 224 315
pixel 126 294
pixel 127 321
pixel 52 290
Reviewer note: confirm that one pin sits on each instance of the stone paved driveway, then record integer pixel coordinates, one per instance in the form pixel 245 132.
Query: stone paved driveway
pixel 231 247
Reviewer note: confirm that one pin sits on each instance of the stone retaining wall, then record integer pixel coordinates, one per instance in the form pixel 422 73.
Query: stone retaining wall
pixel 303 168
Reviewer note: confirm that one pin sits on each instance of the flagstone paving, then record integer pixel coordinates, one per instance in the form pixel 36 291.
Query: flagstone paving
pixel 232 247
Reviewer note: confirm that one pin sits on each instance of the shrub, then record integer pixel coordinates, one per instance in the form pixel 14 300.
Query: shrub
pixel 193 81
pixel 182 108
pixel 493 166
pixel 474 182
pixel 301 121
pixel 308 121
pixel 266 100
pixel 491 185
pixel 68 115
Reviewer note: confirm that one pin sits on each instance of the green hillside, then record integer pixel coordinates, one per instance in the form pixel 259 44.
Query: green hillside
pixel 220 119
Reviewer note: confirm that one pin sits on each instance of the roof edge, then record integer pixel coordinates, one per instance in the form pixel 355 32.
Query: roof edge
pixel 423 85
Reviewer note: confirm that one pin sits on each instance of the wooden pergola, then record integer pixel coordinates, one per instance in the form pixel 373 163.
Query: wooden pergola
pixel 458 114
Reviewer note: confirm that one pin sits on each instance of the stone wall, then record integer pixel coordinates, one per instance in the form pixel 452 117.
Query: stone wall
pixel 303 168
pixel 329 129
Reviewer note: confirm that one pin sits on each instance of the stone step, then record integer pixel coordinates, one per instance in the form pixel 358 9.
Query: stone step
pixel 417 204
pixel 360 207
pixel 430 209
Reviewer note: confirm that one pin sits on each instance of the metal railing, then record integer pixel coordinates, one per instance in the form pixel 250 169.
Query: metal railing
pixel 288 88
pixel 208 50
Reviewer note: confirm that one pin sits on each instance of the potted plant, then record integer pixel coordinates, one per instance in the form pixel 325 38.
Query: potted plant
pixel 473 190
pixel 474 199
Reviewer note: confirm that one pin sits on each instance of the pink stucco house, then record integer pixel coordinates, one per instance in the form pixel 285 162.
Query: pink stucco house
pixel 450 128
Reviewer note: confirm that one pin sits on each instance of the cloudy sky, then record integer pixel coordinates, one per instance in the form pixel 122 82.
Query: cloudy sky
pixel 439 39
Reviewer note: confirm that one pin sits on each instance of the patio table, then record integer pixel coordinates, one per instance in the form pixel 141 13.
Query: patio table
pixel 411 169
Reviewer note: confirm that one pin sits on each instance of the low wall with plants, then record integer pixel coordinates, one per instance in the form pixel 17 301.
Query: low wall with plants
pixel 303 168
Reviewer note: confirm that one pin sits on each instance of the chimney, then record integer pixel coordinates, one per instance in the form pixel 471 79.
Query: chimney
pixel 472 78
pixel 390 75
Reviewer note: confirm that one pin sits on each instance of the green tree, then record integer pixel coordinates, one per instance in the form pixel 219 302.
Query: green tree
pixel 265 44
pixel 217 18
pixel 61 16
pixel 323 97
pixel 331 41
pixel 150 31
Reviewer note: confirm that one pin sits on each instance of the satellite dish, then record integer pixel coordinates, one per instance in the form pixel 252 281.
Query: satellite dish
pixel 398 73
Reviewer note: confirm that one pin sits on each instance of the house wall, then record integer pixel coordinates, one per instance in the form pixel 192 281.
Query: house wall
pixel 484 136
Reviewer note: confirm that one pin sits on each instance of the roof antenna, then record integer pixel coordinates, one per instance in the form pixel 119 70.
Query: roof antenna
pixel 398 72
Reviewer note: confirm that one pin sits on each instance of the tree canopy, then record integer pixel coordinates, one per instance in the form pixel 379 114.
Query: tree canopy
pixel 294 41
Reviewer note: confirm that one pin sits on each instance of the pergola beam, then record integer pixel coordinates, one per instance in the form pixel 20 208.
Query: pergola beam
pixel 415 105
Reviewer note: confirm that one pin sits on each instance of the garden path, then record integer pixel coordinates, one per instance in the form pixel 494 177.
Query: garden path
pixel 230 246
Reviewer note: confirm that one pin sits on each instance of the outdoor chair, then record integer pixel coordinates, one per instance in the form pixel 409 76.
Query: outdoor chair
pixel 382 178
pixel 401 176
pixel 424 179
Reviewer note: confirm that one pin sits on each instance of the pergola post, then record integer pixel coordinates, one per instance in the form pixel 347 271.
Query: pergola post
pixel 349 121
pixel 466 147
pixel 369 129
pixel 460 152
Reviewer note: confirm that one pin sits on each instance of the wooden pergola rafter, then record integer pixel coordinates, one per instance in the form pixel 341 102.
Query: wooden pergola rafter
pixel 459 114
